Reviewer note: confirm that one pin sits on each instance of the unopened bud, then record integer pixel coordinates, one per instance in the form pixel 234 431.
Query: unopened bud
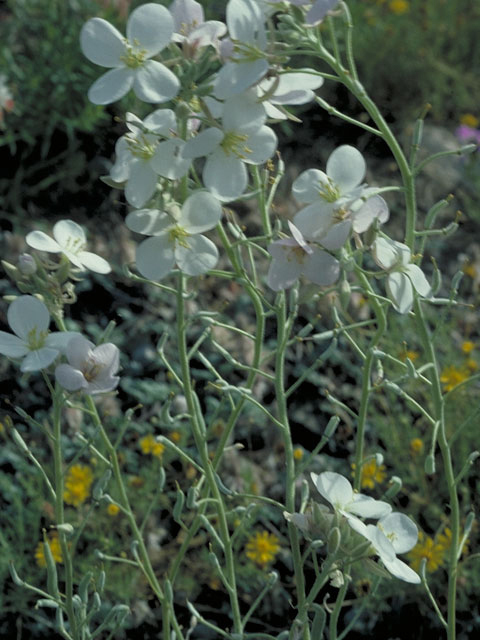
pixel 27 264
pixel 334 539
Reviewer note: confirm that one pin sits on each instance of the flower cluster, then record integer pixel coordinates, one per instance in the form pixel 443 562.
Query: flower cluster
pixel 53 542
pixel 262 548
pixel 394 533
pixel 78 482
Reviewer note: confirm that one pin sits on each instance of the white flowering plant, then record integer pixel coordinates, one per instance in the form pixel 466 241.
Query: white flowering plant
pixel 218 89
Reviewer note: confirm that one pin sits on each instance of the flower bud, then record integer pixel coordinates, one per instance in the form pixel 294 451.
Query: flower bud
pixel 27 264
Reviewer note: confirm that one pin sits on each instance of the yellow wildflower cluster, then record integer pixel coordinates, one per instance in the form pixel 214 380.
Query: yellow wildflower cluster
pixel 372 474
pixel 434 550
pixel 54 544
pixel 452 375
pixel 398 7
pixel 262 548
pixel 149 445
pixel 77 484
pixel 416 446
pixel 113 510
pixel 469 120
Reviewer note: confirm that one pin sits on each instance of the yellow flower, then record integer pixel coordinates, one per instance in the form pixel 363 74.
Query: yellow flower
pixel 371 474
pixel 298 453
pixel 468 346
pixel 77 484
pixel 416 446
pixel 148 444
pixel 262 548
pixel 113 510
pixel 399 6
pixel 428 548
pixel 471 364
pixel 452 375
pixel 175 436
pixel 470 270
pixel 54 544
pixel 469 120
pixel 445 540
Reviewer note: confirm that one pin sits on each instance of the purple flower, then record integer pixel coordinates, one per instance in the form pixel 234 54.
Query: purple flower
pixel 467 134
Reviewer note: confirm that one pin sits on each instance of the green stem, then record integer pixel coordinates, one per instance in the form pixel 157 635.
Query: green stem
pixel 198 435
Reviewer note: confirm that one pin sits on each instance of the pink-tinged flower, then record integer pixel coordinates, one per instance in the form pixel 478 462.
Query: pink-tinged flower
pixel 29 319
pixel 91 369
pixel 468 134
pixel 149 30
pixel 294 257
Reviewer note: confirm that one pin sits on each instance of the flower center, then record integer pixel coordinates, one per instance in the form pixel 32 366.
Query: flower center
pixel 141 147
pixel 178 235
pixel 91 369
pixel 75 245
pixel 134 57
pixel 233 143
pixel 246 52
pixel 328 191
pixel 36 339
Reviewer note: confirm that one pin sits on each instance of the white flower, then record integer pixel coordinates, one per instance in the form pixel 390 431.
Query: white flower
pixel 71 241
pixel 243 139
pixel 394 533
pixel 330 197
pixel 338 491
pixel 29 319
pixel 293 257
pixel 292 88
pixel 247 65
pixel 404 277
pixel 149 30
pixel 190 27
pixel 91 369
pixel 142 155
pixel 177 241
pixel 317 11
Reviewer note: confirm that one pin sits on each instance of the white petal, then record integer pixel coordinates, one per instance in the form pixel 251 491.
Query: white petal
pixel 102 43
pixel 243 113
pixel 205 143
pixel 186 13
pixel 367 507
pixel 346 167
pixel 261 146
pixel 40 241
pixel 150 222
pixel 93 262
pixel 121 169
pixel 314 220
pixel 69 234
pixel 153 82
pixel 108 356
pixel 306 187
pixel 418 279
pixel 236 77
pixel 400 291
pixel 375 208
pixel 200 212
pixel 333 487
pixel 161 121
pixel 60 340
pixel 169 161
pixel 141 184
pixel 200 256
pixel 112 86
pixel 321 268
pixel 245 22
pixel 384 253
pixel 207 34
pixel 382 544
pixel 292 83
pixel 298 237
pixel 26 313
pixel 336 236
pixel 402 571
pixel 319 10
pixel 155 257
pixel 401 530
pixel 12 346
pixel 283 270
pixel 70 378
pixel 226 177
pixel 151 25
pixel 39 359
pixel 78 350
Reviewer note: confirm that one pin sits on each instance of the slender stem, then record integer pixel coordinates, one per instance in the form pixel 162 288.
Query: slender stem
pixel 200 441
